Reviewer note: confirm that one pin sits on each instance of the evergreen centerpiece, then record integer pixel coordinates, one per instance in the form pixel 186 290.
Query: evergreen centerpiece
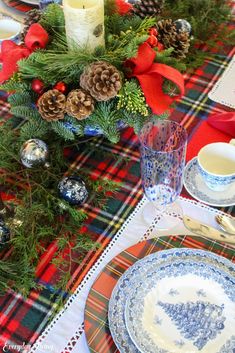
pixel 121 65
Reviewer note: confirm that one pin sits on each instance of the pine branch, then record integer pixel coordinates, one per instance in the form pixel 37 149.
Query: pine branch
pixel 12 85
pixel 165 57
pixel 25 112
pixel 53 19
pixel 34 129
pixel 106 117
pixel 18 99
pixel 134 120
pixel 62 131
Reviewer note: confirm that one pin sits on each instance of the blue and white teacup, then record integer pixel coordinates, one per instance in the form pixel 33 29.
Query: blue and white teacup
pixel 216 164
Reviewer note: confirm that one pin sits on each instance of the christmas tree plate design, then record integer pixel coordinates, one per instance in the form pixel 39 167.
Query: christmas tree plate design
pixel 183 306
pixel 144 273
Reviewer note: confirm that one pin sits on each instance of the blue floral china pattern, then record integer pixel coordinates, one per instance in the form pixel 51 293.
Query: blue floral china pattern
pixel 197 188
pixel 215 182
pixel 138 273
pixel 170 300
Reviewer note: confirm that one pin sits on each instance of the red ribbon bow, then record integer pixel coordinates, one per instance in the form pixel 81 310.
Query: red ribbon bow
pixel 150 76
pixel 11 53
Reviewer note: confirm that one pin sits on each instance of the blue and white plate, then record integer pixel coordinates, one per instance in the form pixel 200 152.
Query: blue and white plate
pixel 196 187
pixel 172 268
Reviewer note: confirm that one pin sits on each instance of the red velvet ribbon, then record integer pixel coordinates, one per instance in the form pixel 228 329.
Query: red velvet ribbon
pixel 123 7
pixel 224 122
pixel 151 75
pixel 11 53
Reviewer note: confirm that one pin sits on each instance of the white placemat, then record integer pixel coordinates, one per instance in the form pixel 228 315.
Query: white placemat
pixel 223 91
pixel 65 333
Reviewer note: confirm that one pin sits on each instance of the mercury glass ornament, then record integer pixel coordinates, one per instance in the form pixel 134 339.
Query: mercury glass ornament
pixel 73 190
pixel 4 233
pixel 34 153
pixel 183 25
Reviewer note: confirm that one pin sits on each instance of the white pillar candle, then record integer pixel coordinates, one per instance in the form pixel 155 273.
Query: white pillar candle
pixel 84 22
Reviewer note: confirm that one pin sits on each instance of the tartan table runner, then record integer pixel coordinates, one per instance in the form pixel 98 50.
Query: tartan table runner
pixel 19 5
pixel 98 335
pixel 23 320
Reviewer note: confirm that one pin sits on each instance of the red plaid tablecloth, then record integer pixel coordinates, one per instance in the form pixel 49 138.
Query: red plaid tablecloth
pixel 23 320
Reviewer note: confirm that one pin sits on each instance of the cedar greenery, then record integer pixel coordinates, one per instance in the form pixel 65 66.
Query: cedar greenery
pixel 44 216
pixel 132 99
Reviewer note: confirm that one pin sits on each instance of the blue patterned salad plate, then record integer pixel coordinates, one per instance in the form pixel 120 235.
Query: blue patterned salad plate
pixel 175 301
pixel 196 187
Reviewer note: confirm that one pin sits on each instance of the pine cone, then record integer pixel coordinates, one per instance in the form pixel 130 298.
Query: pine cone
pixel 170 37
pixel 148 8
pixel 79 104
pixel 51 105
pixel 32 16
pixel 102 80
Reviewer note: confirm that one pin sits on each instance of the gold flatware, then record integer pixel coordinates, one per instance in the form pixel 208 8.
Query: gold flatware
pixel 205 230
pixel 226 223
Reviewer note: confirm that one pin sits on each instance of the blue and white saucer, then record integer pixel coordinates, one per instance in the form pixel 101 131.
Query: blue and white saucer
pixel 196 187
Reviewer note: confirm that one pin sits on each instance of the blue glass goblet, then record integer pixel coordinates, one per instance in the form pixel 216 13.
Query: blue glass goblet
pixel 162 150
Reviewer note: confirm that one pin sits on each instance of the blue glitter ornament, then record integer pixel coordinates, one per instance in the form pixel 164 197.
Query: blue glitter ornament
pixel 73 190
pixel 183 25
pixel 4 233
pixel 34 153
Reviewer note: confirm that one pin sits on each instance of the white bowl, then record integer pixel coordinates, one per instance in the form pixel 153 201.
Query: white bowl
pixel 9 29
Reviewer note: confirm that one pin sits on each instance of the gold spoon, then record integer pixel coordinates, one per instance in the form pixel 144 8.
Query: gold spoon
pixel 226 223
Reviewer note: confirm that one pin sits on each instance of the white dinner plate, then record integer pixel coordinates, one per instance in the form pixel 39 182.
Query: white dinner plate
pixel 196 187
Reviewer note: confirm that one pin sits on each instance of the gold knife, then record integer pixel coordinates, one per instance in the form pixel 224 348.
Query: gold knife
pixel 205 230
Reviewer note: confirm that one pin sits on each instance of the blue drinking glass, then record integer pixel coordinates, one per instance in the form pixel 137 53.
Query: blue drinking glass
pixel 162 149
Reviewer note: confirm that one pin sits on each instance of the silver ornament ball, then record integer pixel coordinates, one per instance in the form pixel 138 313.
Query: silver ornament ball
pixel 73 190
pixel 183 25
pixel 34 153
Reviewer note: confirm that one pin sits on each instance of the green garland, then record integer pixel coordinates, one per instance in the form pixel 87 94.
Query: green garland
pixel 44 216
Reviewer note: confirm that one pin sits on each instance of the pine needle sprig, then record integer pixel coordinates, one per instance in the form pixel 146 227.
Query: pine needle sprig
pixel 12 85
pixel 165 57
pixel 106 117
pixel 53 19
